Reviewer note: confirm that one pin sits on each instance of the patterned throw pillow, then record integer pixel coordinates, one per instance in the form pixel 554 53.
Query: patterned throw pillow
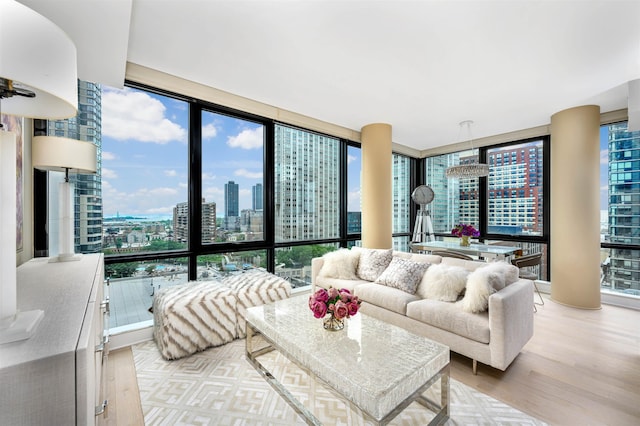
pixel 373 262
pixel 403 274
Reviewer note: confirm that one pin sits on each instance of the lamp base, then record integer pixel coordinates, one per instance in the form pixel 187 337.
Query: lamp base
pixel 20 327
pixel 66 257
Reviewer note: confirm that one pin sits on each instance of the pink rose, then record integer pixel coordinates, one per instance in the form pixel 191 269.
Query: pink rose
pixel 319 309
pixel 333 293
pixel 353 307
pixel 341 310
pixel 321 295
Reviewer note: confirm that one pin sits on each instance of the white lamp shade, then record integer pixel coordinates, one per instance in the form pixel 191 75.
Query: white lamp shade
pixel 61 154
pixel 37 55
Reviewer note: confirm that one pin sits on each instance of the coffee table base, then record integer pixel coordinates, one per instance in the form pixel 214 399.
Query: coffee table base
pixel 441 410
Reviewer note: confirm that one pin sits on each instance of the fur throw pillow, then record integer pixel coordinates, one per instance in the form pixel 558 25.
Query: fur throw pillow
pixel 341 264
pixel 443 282
pixel 481 283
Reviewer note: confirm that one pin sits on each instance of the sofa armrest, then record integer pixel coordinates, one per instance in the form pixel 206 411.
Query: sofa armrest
pixel 510 322
pixel 316 265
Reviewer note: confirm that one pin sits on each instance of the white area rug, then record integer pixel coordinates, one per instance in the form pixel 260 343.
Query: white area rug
pixel 220 387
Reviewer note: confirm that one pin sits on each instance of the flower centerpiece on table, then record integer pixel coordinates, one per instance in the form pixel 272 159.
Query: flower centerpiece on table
pixel 464 232
pixel 334 306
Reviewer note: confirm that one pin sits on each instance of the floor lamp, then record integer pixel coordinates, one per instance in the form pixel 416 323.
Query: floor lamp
pixel 38 79
pixel 64 155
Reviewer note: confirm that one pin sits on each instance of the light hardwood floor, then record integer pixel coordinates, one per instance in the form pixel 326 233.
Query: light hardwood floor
pixel 582 367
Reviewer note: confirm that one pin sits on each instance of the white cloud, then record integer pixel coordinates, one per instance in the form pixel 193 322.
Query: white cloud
pixel 109 174
pixel 350 158
pixel 353 201
pixel 247 139
pixel 108 155
pixel 604 156
pixel 208 176
pixel 209 131
pixel 170 173
pixel 132 115
pixel 246 173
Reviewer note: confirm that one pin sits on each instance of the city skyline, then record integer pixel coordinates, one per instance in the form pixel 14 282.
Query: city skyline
pixel 142 182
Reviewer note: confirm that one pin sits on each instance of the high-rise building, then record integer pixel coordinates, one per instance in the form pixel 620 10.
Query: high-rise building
pixel 85 126
pixel 624 208
pixel 181 222
pixel 515 189
pixel 307 189
pixel 256 197
pixel 231 205
pixel 401 199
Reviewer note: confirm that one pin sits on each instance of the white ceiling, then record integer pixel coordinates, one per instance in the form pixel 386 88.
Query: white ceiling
pixel 421 66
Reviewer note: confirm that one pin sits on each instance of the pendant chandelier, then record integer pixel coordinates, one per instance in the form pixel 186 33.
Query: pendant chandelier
pixel 473 169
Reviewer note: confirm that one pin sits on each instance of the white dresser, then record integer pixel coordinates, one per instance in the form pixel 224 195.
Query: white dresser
pixel 55 377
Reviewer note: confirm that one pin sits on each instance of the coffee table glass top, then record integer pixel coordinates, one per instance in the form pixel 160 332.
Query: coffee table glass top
pixel 374 364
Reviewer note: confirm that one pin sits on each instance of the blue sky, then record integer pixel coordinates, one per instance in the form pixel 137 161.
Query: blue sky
pixel 145 156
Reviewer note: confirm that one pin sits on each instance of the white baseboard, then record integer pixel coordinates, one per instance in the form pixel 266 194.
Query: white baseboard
pixel 606 297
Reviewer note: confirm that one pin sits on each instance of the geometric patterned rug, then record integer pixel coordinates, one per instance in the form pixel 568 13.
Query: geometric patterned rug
pixel 220 387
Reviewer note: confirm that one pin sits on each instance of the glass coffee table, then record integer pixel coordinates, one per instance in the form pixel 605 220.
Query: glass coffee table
pixel 377 366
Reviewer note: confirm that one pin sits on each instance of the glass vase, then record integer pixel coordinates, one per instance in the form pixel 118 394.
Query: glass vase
pixel 464 241
pixel 332 323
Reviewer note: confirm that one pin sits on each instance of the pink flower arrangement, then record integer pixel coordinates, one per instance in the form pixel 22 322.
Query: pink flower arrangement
pixel 341 303
pixel 465 230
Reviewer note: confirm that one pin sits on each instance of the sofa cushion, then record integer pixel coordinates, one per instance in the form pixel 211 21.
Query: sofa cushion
pixel 341 264
pixel 403 274
pixel 373 262
pixel 443 282
pixel 326 282
pixel 385 297
pixel 447 316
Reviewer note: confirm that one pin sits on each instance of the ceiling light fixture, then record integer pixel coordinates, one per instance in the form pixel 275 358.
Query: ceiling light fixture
pixel 38 79
pixel 472 169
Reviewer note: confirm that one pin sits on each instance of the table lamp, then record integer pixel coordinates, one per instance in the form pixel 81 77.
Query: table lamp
pixel 38 79
pixel 64 155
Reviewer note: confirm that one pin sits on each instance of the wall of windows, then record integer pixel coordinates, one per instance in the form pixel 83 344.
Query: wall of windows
pixel 620 209
pixel 508 207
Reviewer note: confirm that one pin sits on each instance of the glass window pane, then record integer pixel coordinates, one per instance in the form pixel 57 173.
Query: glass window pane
pixel 514 189
pixel 620 208
pixel 213 267
pixel 232 179
pixel 133 285
pixel 354 201
pixel 401 181
pixel 294 263
pixel 455 200
pixel 144 170
pixel 307 185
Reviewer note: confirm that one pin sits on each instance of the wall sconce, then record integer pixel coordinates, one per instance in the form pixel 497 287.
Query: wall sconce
pixel 38 79
pixel 64 155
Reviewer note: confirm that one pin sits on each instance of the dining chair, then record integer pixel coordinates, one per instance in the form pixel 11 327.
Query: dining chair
pixel 452 253
pixel 529 261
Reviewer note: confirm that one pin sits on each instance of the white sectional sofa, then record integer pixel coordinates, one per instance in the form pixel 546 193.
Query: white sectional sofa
pixel 493 336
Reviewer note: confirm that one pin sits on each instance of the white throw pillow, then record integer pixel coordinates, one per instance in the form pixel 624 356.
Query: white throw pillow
pixel 443 282
pixel 373 262
pixel 340 264
pixel 403 274
pixel 481 283
pixel 509 272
